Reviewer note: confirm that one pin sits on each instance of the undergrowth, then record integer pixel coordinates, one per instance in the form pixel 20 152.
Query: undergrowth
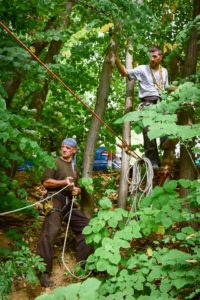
pixel 152 253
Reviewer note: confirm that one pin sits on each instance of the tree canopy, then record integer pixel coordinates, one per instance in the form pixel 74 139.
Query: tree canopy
pixel 75 40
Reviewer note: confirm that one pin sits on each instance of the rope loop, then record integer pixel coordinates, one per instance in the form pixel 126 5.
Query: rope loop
pixel 140 185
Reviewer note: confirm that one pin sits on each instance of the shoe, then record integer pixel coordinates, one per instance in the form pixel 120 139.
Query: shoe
pixel 168 144
pixel 45 280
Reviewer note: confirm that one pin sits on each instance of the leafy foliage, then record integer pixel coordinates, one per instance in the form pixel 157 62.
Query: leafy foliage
pixel 18 143
pixel 162 117
pixel 86 290
pixel 21 264
pixel 149 254
pixel 87 183
pixel 153 255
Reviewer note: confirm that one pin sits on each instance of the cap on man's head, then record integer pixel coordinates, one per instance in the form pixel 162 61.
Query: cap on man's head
pixel 70 142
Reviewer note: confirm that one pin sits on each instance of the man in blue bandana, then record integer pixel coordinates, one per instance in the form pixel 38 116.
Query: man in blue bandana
pixel 64 175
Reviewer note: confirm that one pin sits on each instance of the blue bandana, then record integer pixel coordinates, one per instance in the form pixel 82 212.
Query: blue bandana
pixel 70 142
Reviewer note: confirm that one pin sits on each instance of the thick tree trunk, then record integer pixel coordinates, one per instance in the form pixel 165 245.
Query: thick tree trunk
pixel 123 185
pixel 100 107
pixel 186 116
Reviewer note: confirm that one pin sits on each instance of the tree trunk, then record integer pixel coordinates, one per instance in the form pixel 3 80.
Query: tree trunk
pixel 100 107
pixel 186 116
pixel 12 85
pixel 190 64
pixel 123 185
pixel 39 97
pixel 175 66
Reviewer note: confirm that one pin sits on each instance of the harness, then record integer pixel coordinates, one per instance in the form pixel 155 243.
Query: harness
pixel 48 205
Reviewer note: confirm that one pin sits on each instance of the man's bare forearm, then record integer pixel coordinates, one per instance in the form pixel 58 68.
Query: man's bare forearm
pixel 53 183
pixel 122 70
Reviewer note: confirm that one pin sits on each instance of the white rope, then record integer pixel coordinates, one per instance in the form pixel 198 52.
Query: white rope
pixel 64 246
pixel 31 205
pixel 65 240
pixel 140 184
pixel 192 160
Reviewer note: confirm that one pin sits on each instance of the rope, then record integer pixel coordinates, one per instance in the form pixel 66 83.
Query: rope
pixel 67 229
pixel 54 75
pixel 31 205
pixel 137 183
pixel 191 158
pixel 64 246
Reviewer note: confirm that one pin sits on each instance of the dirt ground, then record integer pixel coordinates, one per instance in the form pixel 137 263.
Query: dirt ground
pixel 20 290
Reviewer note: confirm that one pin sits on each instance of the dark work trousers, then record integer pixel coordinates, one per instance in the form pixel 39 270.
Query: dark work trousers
pixel 52 225
pixel 150 146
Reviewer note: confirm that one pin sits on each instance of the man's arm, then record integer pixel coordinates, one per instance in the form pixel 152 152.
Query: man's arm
pixel 53 183
pixel 122 70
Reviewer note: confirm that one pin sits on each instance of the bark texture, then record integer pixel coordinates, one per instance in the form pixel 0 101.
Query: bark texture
pixel 186 116
pixel 100 107
pixel 123 185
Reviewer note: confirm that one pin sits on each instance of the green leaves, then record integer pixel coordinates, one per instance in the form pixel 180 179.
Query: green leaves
pixel 105 203
pixel 153 257
pixel 76 291
pixel 161 118
pixel 175 257
pixel 170 186
pixel 20 264
pixel 87 183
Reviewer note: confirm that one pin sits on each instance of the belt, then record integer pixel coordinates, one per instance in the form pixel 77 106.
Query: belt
pixel 55 209
pixel 150 99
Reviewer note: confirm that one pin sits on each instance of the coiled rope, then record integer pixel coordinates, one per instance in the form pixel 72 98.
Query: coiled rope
pixel 140 186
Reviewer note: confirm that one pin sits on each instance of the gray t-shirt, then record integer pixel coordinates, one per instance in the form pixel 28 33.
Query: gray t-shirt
pixel 146 85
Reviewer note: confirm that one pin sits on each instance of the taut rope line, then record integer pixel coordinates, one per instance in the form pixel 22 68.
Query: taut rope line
pixel 35 57
pixel 31 205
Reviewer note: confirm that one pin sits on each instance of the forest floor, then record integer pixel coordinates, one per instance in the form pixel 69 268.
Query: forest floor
pixel 17 221
pixel 20 289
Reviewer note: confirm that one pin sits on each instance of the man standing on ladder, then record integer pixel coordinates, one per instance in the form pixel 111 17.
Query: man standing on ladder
pixel 57 209
pixel 152 79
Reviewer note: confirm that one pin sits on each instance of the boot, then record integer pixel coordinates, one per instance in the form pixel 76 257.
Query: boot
pixel 45 280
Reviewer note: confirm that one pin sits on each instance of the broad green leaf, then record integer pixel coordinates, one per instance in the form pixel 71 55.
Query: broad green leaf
pixel 87 230
pixel 181 282
pixel 88 289
pixel 105 203
pixel 114 258
pixel 185 183
pixel 170 186
pixel 113 222
pixel 97 227
pixel 112 270
pixel 102 265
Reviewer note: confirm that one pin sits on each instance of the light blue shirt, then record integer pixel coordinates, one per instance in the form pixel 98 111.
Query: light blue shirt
pixel 143 74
